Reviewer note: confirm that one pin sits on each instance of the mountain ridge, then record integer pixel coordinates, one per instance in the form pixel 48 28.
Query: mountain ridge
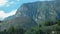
pixel 31 14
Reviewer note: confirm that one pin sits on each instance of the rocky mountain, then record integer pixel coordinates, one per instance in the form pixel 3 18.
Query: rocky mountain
pixel 40 11
pixel 23 22
pixel 30 14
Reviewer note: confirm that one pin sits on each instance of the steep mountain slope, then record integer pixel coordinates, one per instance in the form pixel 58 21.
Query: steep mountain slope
pixel 40 11
pixel 23 22
pixel 30 14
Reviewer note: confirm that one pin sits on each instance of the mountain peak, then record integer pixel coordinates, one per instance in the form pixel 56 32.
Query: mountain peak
pixel 40 11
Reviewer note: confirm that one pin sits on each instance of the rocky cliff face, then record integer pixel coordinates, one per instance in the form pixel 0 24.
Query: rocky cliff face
pixel 40 11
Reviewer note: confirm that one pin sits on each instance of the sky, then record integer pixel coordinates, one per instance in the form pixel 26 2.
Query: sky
pixel 9 7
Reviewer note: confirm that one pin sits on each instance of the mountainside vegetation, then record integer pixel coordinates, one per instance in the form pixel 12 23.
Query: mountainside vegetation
pixel 47 29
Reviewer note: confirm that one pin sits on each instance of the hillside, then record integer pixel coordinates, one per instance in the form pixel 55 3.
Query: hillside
pixel 34 18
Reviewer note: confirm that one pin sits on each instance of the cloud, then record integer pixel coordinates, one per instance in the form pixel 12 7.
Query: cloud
pixel 13 12
pixel 10 3
pixel 4 15
pixel 3 2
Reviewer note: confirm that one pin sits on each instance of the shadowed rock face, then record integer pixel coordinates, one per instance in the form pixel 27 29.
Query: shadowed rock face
pixel 19 22
pixel 24 22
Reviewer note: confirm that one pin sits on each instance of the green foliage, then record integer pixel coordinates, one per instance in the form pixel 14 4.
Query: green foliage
pixel 13 30
pixel 48 27
pixel 49 23
pixel 35 30
pixel 58 22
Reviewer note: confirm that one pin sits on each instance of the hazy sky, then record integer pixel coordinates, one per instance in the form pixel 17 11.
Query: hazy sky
pixel 9 7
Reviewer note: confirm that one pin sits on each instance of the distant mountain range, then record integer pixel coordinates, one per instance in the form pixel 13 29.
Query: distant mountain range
pixel 31 14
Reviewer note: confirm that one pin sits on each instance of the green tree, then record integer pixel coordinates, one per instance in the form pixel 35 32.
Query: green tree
pixel 58 22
